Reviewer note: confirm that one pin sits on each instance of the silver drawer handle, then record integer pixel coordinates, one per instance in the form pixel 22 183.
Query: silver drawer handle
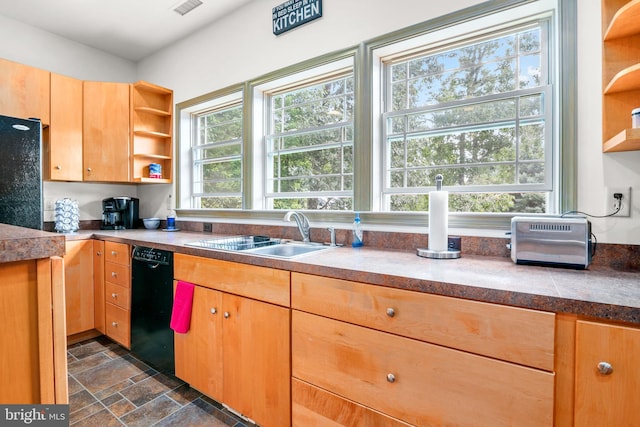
pixel 214 311
pixel 226 314
pixel 391 378
pixel 114 324
pixel 99 253
pixel 114 253
pixel 58 167
pixel 605 368
pixel 391 312
pixel 114 274
pixel 114 295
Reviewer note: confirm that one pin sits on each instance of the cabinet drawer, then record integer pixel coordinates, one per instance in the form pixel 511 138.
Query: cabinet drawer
pixel 314 407
pixel 118 274
pixel 417 382
pixel 261 283
pixel 118 324
pixel 517 335
pixel 118 295
pixel 117 253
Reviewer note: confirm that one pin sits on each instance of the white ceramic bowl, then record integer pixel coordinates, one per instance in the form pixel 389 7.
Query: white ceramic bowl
pixel 151 223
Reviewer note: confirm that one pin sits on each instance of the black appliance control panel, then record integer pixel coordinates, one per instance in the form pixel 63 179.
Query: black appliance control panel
pixel 151 255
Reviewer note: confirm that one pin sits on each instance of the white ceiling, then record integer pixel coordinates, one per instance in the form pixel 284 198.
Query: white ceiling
pixel 130 29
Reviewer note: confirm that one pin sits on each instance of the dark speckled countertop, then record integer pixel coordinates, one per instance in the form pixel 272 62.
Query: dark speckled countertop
pixel 19 244
pixel 600 294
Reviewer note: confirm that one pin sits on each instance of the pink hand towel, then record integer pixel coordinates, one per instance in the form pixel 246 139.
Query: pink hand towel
pixel 182 302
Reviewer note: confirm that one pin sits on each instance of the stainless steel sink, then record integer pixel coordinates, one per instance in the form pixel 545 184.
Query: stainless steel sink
pixel 288 249
pixel 261 245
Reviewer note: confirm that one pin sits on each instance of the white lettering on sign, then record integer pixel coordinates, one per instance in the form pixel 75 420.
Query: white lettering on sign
pixel 293 13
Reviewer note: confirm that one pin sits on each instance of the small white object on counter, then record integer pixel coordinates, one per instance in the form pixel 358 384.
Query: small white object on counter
pixel 635 118
pixel 438 220
pixel 151 223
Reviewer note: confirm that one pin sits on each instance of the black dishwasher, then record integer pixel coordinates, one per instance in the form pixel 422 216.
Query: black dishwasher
pixel 151 304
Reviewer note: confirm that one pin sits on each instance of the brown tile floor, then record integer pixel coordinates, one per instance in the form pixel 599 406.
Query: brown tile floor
pixel 108 386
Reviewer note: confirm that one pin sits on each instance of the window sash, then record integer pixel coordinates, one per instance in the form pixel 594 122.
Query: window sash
pixel 389 134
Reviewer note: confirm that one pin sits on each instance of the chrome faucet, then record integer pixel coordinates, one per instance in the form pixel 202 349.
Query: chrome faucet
pixel 302 221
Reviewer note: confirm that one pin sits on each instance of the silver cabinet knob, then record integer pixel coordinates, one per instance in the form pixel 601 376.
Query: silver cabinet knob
pixel 226 314
pixel 605 368
pixel 114 274
pixel 99 253
pixel 114 253
pixel 114 295
pixel 58 167
pixel 214 311
pixel 391 312
pixel 114 324
pixel 88 169
pixel 391 378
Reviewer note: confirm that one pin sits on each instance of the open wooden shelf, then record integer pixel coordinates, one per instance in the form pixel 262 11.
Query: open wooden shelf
pixel 151 131
pixel 627 140
pixel 620 74
pixel 626 22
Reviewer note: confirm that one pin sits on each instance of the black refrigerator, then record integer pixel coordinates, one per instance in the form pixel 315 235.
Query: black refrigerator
pixel 21 172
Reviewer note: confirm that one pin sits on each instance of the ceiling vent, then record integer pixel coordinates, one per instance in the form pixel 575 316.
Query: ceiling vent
pixel 186 6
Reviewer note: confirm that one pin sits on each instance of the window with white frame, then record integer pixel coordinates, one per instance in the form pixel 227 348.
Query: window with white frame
pixel 309 144
pixel 216 154
pixel 478 111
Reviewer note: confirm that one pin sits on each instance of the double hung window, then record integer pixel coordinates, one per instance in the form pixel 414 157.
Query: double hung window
pixel 309 145
pixel 479 112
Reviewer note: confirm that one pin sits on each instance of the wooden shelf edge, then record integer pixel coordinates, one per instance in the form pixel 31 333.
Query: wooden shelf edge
pixel 150 87
pixel 152 156
pixel 150 133
pixel 154 111
pixel 627 79
pixel 625 22
pixel 627 140
pixel 144 180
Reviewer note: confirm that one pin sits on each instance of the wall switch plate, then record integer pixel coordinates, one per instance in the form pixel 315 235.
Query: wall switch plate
pixel 612 203
pixel 207 227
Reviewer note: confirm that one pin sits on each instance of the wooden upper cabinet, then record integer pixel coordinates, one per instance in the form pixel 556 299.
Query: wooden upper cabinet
pixel 106 132
pixel 24 91
pixel 63 138
pixel 620 73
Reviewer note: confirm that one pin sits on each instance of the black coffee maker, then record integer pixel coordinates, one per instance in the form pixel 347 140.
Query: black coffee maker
pixel 119 213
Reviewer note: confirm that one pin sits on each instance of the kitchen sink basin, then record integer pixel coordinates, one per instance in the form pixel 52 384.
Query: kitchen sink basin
pixel 288 249
pixel 261 245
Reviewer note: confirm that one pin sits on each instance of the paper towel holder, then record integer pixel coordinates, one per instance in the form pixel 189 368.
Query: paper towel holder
pixel 453 246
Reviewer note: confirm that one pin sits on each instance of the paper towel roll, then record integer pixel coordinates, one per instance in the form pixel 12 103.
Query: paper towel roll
pixel 438 220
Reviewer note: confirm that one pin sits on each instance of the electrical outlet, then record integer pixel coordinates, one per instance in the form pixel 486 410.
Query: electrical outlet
pixel 49 204
pixel 207 227
pixel 612 202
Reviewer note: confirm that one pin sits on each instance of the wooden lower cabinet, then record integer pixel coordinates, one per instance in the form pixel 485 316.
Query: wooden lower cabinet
pixel 237 352
pixel 607 375
pixel 314 407
pixel 33 363
pixel 117 296
pixel 79 286
pixel 417 382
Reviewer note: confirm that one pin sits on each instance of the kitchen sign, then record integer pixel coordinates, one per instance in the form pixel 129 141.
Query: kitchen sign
pixel 294 13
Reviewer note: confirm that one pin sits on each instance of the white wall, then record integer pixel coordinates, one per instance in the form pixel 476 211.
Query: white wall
pixel 242 46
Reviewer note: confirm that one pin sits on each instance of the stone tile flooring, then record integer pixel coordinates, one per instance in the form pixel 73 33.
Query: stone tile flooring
pixel 108 386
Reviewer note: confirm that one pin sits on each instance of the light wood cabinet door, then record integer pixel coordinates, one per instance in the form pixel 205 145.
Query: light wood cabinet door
pixel 607 375
pixel 63 138
pixel 419 383
pixel 24 91
pixel 198 353
pixel 79 287
pixel 106 132
pixel 257 371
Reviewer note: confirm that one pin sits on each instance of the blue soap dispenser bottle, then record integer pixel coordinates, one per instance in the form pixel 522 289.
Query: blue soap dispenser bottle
pixel 357 232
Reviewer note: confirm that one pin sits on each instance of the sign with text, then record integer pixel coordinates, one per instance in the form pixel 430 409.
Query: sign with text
pixel 294 13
